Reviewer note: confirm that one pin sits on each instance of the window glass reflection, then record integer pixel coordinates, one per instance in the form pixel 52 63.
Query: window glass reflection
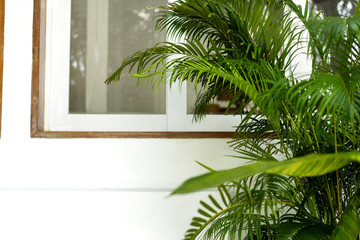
pixel 103 33
pixel 335 7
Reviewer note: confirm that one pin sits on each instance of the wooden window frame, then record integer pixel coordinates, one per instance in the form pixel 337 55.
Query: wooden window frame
pixel 2 22
pixel 37 96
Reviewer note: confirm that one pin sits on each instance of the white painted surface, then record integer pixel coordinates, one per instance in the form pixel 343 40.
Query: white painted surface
pixel 91 189
pixel 53 215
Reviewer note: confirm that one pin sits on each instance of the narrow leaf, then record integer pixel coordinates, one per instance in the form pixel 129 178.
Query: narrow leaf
pixel 311 165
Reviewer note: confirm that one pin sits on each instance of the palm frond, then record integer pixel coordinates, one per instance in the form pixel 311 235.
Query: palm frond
pixel 241 199
pixel 311 165
pixel 223 41
pixel 349 225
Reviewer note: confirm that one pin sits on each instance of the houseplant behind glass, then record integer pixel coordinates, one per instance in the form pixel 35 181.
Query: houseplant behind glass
pixel 302 179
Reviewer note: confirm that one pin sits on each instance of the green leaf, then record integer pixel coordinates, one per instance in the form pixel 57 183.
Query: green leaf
pixel 311 165
pixel 349 224
pixel 313 232
pixel 314 165
pixel 205 214
pixel 210 180
pixel 215 202
pixel 301 231
pixel 198 219
pixel 207 206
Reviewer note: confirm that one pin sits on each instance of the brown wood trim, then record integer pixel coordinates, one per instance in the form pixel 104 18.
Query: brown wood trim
pixel 53 134
pixel 36 118
pixel 35 69
pixel 2 22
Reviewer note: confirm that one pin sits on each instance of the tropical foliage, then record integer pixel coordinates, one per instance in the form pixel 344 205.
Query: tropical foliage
pixel 302 180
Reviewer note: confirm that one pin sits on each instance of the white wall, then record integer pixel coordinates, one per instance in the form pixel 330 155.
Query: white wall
pixel 87 188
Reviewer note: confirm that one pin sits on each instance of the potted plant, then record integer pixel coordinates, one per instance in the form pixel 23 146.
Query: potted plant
pixel 301 136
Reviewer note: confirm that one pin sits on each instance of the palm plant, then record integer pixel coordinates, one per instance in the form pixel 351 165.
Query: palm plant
pixel 302 179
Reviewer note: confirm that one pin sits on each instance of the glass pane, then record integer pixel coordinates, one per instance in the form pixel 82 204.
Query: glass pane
pixel 335 7
pixel 103 33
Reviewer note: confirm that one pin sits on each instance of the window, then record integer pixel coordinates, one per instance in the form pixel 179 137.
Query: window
pixel 77 44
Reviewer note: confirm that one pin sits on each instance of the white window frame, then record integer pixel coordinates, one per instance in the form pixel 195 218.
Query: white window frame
pixel 57 117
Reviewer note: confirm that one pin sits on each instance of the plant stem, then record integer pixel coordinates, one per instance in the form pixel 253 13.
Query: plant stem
pixel 338 191
pixel 328 191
